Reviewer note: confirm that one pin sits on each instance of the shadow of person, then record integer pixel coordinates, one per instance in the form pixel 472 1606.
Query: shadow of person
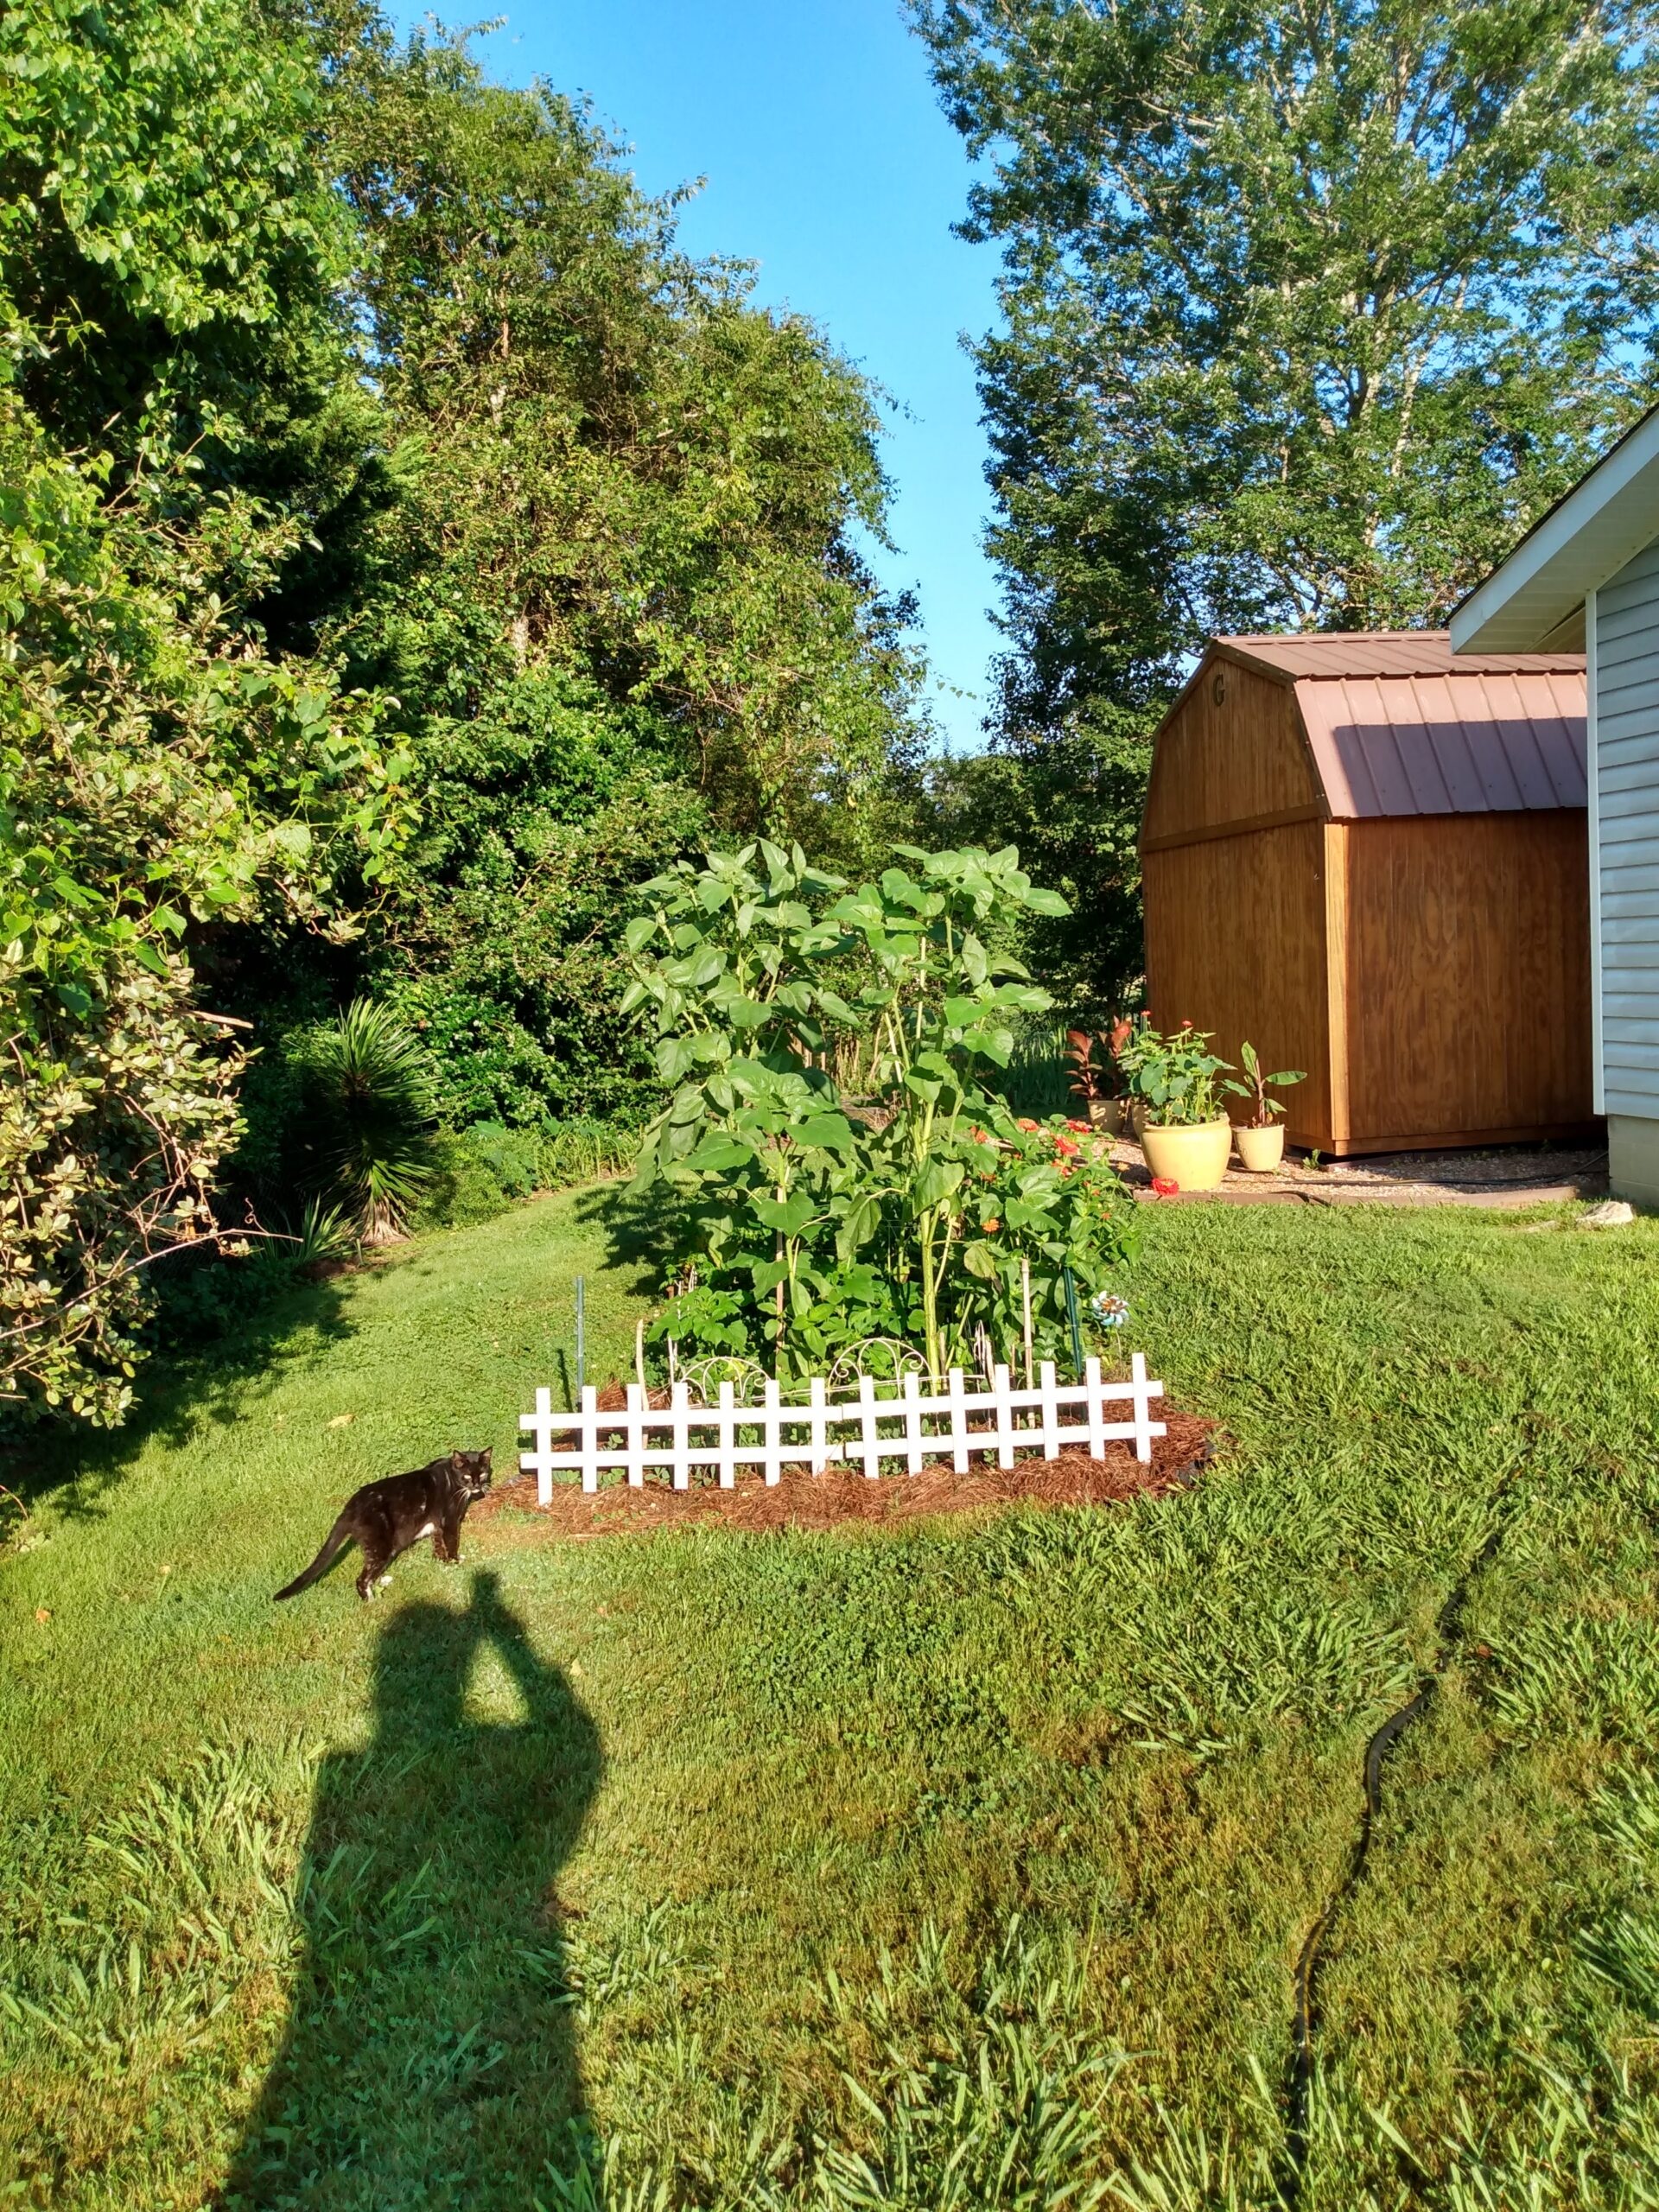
pixel 428 2061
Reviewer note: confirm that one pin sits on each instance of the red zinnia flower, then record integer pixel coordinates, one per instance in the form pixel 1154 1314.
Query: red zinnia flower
pixel 1165 1186
pixel 1023 1125
pixel 1066 1145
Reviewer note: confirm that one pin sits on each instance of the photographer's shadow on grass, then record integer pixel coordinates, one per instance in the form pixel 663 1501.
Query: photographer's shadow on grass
pixel 429 2060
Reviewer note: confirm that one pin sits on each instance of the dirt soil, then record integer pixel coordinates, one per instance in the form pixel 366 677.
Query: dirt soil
pixel 798 1500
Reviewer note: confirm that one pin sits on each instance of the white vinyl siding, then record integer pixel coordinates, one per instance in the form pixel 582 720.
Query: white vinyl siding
pixel 1625 827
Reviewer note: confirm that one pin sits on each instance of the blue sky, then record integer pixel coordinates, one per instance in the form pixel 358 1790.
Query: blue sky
pixel 828 162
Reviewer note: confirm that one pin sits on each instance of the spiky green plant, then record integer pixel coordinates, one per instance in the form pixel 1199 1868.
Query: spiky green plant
pixel 370 1094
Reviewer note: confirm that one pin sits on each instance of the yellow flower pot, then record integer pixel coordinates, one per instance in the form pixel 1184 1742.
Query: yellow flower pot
pixel 1193 1157
pixel 1262 1152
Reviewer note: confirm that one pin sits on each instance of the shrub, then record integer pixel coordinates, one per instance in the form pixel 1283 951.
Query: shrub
pixel 478 1173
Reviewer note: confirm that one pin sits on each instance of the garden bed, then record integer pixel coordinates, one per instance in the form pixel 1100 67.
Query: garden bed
pixel 805 1501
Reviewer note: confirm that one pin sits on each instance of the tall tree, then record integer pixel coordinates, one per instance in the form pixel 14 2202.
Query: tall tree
pixel 617 596
pixel 1311 306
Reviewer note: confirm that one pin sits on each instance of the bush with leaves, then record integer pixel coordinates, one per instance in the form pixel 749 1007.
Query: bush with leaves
pixel 812 1220
pixel 168 253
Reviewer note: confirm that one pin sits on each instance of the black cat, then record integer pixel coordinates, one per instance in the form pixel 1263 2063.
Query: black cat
pixel 386 1517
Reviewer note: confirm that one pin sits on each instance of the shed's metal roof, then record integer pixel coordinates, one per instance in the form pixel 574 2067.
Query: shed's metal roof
pixel 1398 726
pixel 1384 652
pixel 1446 744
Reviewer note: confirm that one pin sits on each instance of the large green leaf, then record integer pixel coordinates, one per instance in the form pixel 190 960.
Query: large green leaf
pixel 826 1133
pixel 935 1183
pixel 791 1216
pixel 858 1225
pixel 719 1152
pixel 1038 901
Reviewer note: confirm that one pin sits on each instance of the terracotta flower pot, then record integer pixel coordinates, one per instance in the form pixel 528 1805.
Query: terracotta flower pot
pixel 1106 1116
pixel 1194 1157
pixel 1261 1151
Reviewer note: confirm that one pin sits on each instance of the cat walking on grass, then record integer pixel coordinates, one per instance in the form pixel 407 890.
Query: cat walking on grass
pixel 385 1518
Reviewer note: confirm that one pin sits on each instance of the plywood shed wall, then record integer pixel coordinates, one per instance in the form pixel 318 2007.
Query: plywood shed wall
pixel 1370 860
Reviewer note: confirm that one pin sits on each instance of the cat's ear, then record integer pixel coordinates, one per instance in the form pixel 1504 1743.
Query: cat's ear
pixel 458 1461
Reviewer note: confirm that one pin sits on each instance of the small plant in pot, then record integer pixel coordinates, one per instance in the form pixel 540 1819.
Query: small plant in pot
pixel 1261 1139
pixel 1174 1079
pixel 1096 1073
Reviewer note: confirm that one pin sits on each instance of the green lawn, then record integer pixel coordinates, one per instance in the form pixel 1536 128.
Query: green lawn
pixel 955 1865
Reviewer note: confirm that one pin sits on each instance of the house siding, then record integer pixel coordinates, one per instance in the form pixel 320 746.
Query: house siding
pixel 1626 828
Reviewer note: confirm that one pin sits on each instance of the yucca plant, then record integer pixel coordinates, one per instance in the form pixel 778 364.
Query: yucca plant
pixel 370 1096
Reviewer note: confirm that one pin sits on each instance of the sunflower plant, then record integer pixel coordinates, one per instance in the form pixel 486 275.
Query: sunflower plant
pixel 809 1220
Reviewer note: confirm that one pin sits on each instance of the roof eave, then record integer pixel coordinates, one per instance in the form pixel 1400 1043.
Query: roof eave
pixel 1587 536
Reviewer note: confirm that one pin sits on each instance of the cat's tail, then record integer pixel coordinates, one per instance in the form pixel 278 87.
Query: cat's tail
pixel 335 1542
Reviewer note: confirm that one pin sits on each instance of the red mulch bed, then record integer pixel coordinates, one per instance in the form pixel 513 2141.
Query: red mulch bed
pixel 799 1500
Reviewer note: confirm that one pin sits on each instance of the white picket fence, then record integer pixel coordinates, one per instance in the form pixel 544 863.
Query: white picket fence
pixel 915 1427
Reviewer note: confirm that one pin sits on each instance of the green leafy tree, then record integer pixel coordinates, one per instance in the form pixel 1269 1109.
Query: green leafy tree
pixel 163 777
pixel 615 593
pixel 1308 312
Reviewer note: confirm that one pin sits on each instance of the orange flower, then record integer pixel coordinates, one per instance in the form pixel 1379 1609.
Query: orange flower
pixel 1084 1126
pixel 1022 1123
pixel 991 1228
pixel 1066 1145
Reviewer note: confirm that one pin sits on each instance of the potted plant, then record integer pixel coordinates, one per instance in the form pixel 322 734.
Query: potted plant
pixel 1261 1138
pixel 1098 1081
pixel 1186 1136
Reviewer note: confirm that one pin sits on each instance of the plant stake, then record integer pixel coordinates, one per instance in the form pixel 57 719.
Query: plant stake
pixel 1025 1301
pixel 1071 1316
pixel 581 1333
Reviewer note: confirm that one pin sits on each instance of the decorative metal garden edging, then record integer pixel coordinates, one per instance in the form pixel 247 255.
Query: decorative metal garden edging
pixel 928 1427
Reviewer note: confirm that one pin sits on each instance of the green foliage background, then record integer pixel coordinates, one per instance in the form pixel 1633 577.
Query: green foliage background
pixel 405 550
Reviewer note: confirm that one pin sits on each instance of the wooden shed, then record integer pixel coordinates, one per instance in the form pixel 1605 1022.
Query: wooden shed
pixel 1370 860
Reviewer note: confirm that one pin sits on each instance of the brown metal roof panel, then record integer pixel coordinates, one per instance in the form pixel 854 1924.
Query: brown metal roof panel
pixel 1554 707
pixel 1524 780
pixel 1470 745
pixel 1385 652
pixel 1476 744
pixel 1389 741
pixel 1547 760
